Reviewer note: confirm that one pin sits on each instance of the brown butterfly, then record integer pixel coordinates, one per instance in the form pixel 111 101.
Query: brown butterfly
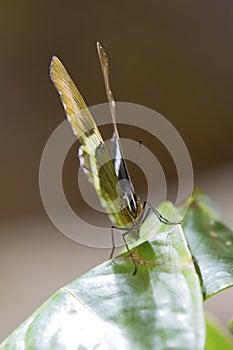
pixel 107 171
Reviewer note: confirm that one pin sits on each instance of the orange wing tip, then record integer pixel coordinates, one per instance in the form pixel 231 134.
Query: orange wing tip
pixel 54 65
pixel 98 45
pixel 55 60
pixel 101 50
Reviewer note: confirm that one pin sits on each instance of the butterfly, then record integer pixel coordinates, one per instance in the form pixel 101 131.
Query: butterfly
pixel 107 171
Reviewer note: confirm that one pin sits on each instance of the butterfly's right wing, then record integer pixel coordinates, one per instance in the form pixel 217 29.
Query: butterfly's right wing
pixel 93 154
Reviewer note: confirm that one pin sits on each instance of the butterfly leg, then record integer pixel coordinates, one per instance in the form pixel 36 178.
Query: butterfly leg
pixel 113 241
pixel 159 216
pixel 127 247
pixel 126 244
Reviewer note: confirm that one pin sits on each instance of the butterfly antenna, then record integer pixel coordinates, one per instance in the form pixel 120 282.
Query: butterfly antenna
pixel 104 62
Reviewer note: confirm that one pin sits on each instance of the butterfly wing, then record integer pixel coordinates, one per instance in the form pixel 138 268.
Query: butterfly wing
pixel 93 154
pixel 81 120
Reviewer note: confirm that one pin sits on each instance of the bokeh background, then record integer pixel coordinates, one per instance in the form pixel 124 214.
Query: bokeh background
pixel 172 56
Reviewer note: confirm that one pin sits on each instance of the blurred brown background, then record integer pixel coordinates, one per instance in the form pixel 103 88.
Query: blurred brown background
pixel 172 56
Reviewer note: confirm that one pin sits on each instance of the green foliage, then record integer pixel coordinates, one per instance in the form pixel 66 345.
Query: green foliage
pixel 216 336
pixel 161 307
pixel 231 325
pixel 211 245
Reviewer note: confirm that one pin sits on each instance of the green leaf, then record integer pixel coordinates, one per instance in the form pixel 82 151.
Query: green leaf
pixel 216 337
pixel 109 308
pixel 211 245
pixel 231 325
